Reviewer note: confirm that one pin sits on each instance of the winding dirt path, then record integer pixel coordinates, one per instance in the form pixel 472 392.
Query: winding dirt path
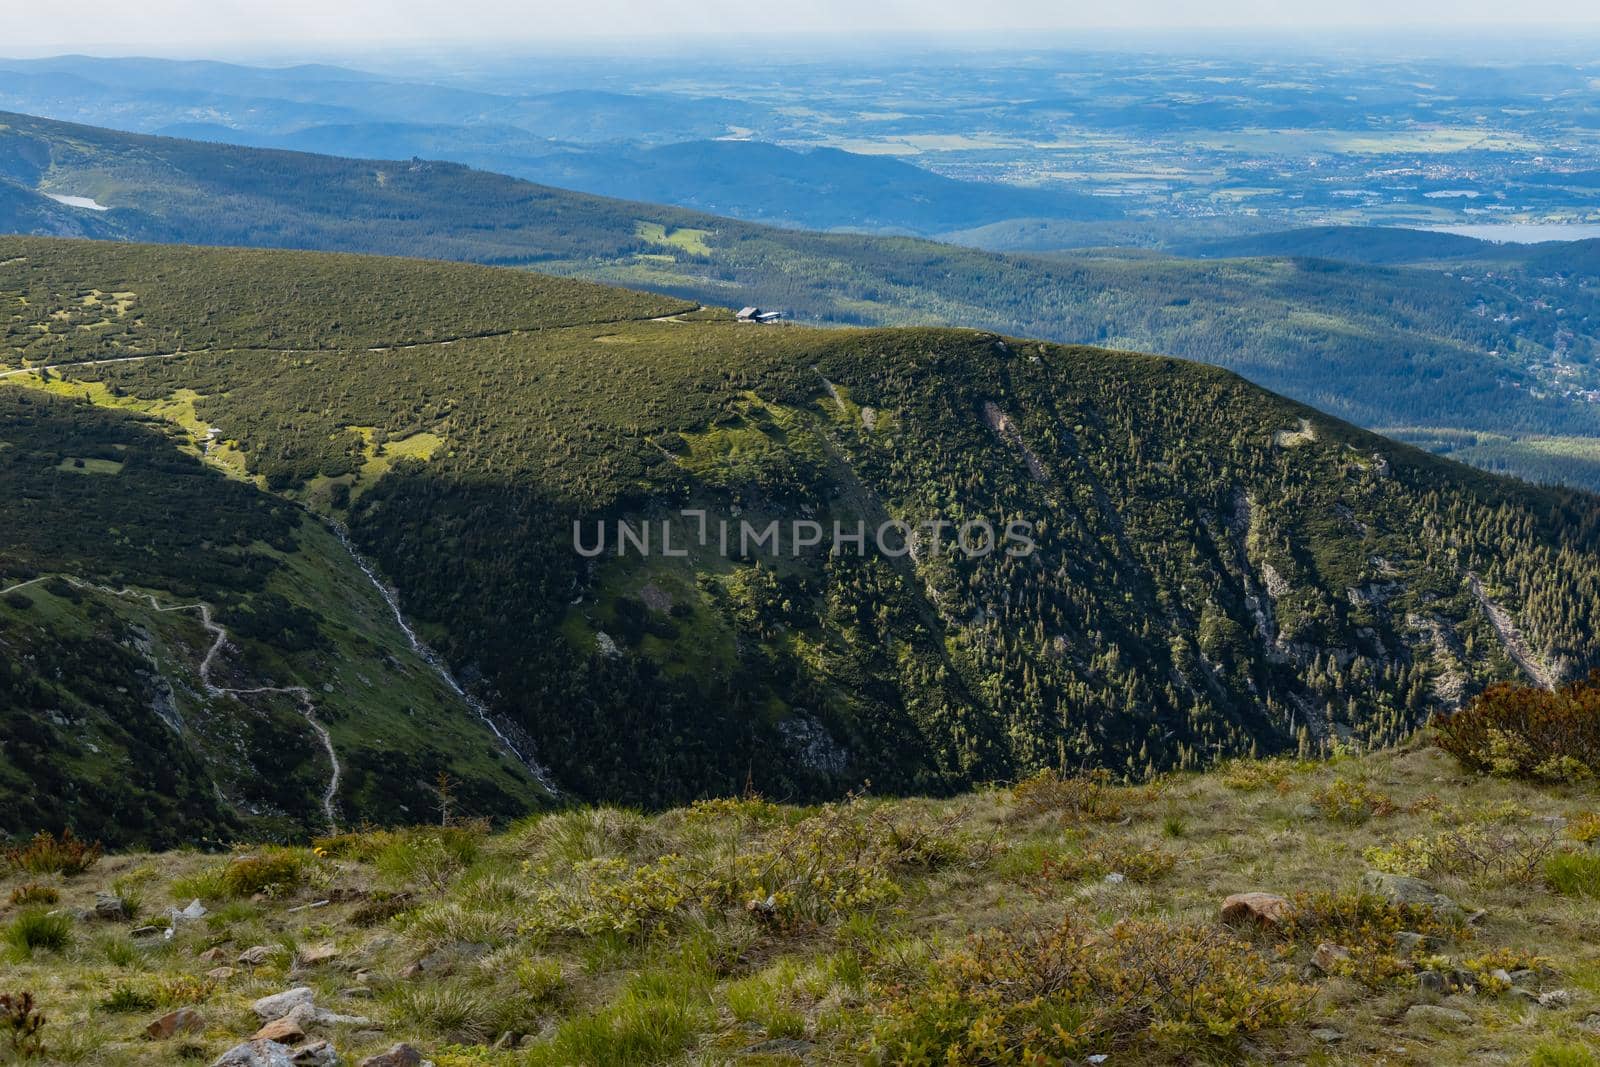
pixel 220 639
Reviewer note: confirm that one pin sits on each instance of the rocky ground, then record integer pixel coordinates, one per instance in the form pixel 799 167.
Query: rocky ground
pixel 1386 908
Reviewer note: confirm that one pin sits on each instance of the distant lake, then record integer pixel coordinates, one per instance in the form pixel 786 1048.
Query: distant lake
pixel 1524 233
pixel 77 201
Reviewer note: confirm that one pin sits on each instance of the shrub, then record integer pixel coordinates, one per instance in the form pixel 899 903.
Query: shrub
pixel 33 893
pixel 48 854
pixel 380 907
pixel 452 921
pixel 839 860
pixel 273 873
pixel 1351 802
pixel 1077 798
pixel 38 929
pixel 20 1025
pixel 129 997
pixel 152 993
pixel 1476 852
pixel 1362 919
pixel 1136 864
pixel 430 857
pixel 639 1027
pixel 119 951
pixel 359 845
pixel 1557 1053
pixel 1252 775
pixel 1585 827
pixel 1573 873
pixel 1156 990
pixel 540 978
pixel 206 884
pixel 444 1007
pixel 1527 732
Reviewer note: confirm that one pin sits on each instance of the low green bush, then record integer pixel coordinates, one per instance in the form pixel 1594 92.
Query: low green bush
pixel 35 928
pixel 1156 991
pixel 1573 873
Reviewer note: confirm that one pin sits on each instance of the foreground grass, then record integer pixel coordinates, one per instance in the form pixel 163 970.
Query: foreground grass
pixel 1060 918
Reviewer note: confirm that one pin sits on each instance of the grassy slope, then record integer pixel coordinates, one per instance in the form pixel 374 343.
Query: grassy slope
pixel 1169 492
pixel 1375 345
pixel 615 938
pixel 97 755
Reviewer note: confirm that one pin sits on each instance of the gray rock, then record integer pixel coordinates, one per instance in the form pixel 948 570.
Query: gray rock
pixel 317 1054
pixel 1327 1035
pixel 1556 998
pixel 1400 889
pixel 195 910
pixel 255 1054
pixel 1407 942
pixel 1432 981
pixel 307 1015
pixel 1329 957
pixel 255 955
pixel 1524 976
pixel 280 1004
pixel 1437 1016
pixel 111 908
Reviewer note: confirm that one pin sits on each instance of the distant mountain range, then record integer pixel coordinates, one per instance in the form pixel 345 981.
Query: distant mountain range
pixel 688 151
pixel 1490 354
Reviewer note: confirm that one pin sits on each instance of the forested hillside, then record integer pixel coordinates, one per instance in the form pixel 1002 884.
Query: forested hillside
pixel 1506 347
pixel 1218 570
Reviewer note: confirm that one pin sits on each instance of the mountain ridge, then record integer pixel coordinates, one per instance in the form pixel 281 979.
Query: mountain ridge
pixel 1219 570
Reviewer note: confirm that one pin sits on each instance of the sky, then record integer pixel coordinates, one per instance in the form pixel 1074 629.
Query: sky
pixel 240 27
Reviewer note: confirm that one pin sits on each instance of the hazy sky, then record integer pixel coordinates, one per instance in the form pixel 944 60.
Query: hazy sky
pixel 242 26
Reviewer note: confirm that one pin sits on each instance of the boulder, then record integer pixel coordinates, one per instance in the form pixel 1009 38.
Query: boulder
pixel 280 1004
pixel 256 1054
pixel 1329 956
pixel 401 1055
pixel 1401 889
pixel 195 910
pixel 182 1021
pixel 111 908
pixel 1263 909
pixel 285 1031
pixel 221 974
pixel 1437 1016
pixel 254 956
pixel 317 1054
pixel 215 954
pixel 317 954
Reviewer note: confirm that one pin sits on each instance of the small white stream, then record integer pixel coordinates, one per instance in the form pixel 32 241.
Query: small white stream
pixel 435 661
